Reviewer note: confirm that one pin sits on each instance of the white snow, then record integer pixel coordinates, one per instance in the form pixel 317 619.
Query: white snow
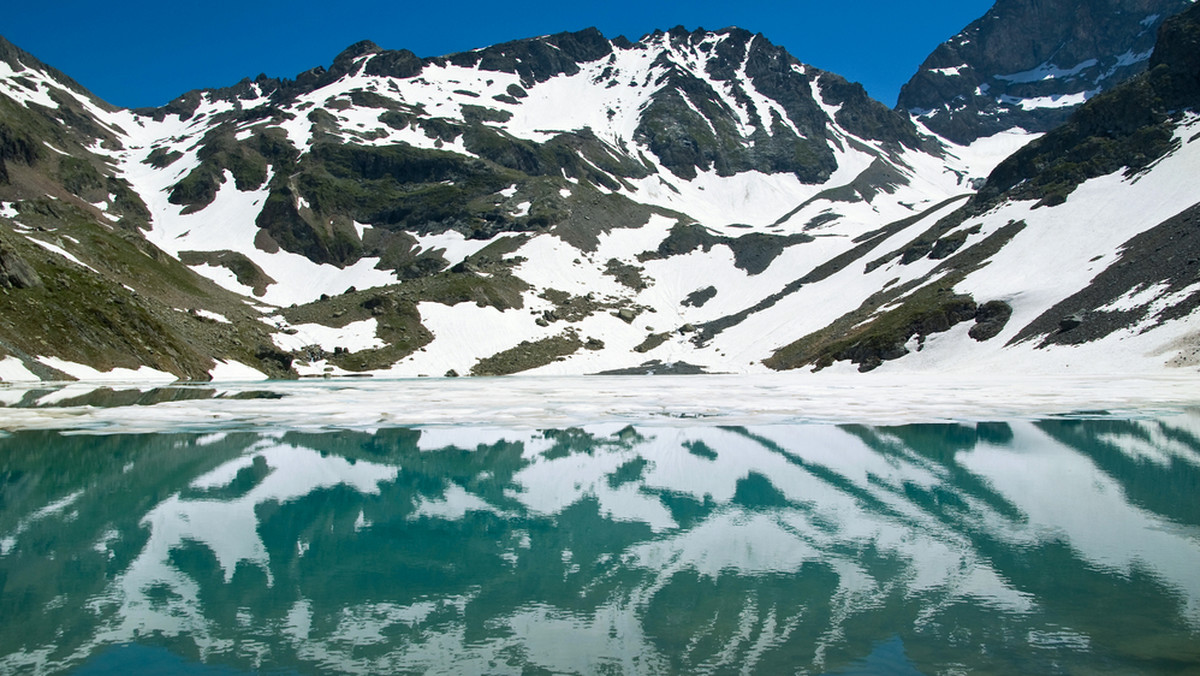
pixel 949 72
pixel 87 373
pixel 13 369
pixel 216 317
pixel 355 336
pixel 1056 101
pixel 454 246
pixel 234 371
pixel 61 252
pixel 459 341
pixel 229 223
pixel 1047 71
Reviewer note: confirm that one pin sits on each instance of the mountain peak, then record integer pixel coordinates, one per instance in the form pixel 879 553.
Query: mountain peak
pixel 356 50
pixel 19 59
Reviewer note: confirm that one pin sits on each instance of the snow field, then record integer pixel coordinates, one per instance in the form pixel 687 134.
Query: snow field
pixel 355 336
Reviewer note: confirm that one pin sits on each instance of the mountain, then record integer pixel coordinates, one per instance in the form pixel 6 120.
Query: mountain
pixel 1083 245
pixel 1029 64
pixel 694 201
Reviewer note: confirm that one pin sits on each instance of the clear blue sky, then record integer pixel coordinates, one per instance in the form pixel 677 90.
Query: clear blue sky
pixel 141 53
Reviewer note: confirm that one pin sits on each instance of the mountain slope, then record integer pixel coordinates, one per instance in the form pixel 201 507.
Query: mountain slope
pixel 1029 63
pixel 1083 242
pixel 82 288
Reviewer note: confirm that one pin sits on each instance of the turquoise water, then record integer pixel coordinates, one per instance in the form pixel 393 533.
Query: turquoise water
pixel 1052 546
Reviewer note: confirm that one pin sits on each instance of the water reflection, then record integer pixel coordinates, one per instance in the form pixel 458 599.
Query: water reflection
pixel 1054 546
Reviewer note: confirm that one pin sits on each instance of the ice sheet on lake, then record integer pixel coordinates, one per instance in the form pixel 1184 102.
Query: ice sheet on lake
pixel 530 402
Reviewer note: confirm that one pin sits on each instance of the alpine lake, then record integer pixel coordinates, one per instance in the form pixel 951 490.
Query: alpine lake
pixel 668 525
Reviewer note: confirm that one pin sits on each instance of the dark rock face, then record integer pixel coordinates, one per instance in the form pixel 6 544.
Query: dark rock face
pixel 990 319
pixel 752 252
pixel 1129 127
pixel 15 272
pixel 690 127
pixel 539 59
pixel 1032 52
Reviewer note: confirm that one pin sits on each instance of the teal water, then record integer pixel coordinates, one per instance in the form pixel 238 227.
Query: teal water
pixel 1054 546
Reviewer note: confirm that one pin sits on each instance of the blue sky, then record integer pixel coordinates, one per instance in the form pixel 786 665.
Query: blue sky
pixel 142 53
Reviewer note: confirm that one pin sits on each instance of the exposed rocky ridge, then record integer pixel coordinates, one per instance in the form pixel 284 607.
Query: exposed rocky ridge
pixel 19 59
pixel 1030 63
pixel 685 125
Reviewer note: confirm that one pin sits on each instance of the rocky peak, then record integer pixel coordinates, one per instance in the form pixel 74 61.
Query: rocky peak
pixel 1029 63
pixel 537 59
pixel 19 59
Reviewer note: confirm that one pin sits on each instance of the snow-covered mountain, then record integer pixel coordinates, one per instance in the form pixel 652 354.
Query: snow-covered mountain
pixel 693 201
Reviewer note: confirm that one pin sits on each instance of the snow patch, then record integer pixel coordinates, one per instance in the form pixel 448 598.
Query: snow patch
pixel 87 373
pixel 355 336
pixel 454 246
pixel 1055 101
pixel 949 72
pixel 61 252
pixel 13 369
pixel 1047 71
pixel 219 318
pixel 235 371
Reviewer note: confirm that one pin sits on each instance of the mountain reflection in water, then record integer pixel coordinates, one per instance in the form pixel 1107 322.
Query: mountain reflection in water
pixel 1028 547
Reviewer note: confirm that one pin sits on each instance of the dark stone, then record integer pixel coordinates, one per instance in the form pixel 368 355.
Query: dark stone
pixel 657 368
pixel 537 59
pixel 15 273
pixel 398 64
pixel 1070 322
pixel 990 320
pixel 699 297
pixel 269 354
